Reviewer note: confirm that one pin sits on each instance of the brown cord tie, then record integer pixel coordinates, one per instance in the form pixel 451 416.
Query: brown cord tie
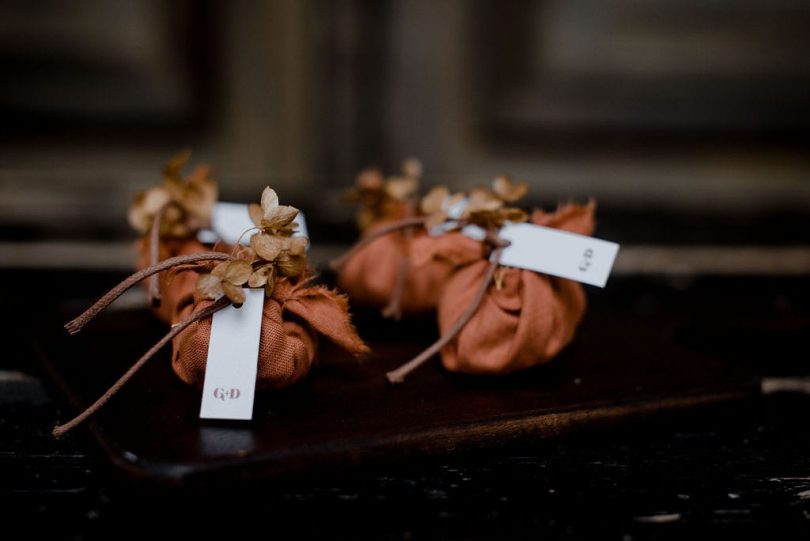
pixel 153 291
pixel 60 430
pixel 398 376
pixel 76 325
pixel 394 307
pixel 338 263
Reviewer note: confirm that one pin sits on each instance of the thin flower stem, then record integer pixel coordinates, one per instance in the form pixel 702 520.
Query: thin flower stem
pixel 239 240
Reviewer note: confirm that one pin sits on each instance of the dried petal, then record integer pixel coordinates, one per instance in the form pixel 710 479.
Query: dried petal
pixel 172 175
pixel 370 179
pixel 201 193
pixel 238 272
pixel 412 167
pixel 154 199
pixel 513 214
pixel 279 217
pixel 434 200
pixel 258 278
pixel 235 293
pixel 175 229
pixel 507 191
pixel 435 219
pixel 290 265
pixel 297 245
pixel 220 270
pixel 401 188
pixel 261 275
pixel 483 199
pixel 269 200
pixel 246 253
pixel 255 211
pixel 267 246
pixel 138 219
pixel 210 287
pixel 176 164
pixel 173 223
pixel 176 189
pixel 454 200
pixel 487 219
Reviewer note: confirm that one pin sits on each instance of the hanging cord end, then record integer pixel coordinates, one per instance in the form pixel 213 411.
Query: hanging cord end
pixel 154 291
pixel 392 312
pixel 60 430
pixel 395 377
pixel 72 327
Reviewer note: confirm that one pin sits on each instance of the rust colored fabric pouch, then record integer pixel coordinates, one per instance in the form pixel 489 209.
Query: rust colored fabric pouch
pixel 371 274
pixel 524 319
pixel 292 320
pixel 379 271
pixel 194 283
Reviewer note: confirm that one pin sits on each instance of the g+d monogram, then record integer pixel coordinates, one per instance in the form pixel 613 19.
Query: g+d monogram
pixel 226 394
pixel 585 263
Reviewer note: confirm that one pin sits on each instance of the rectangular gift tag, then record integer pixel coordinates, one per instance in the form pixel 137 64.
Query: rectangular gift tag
pixel 559 253
pixel 230 220
pixel 233 357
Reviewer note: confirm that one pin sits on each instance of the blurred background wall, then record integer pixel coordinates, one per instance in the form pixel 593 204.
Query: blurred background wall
pixel 651 106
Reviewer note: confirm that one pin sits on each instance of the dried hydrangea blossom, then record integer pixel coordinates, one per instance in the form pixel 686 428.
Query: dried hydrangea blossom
pixel 273 253
pixel 484 207
pixel 380 198
pixel 186 203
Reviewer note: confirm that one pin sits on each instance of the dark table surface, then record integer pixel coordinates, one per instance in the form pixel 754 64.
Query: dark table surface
pixel 738 470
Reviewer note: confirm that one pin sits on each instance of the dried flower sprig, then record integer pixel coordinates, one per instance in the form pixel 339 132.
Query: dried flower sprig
pixel 507 191
pixel 272 218
pixel 487 208
pixel 226 278
pixel 437 205
pixel 273 253
pixel 376 194
pixel 186 202
pixel 484 207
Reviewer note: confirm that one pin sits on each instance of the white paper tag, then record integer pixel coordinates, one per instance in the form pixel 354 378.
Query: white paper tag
pixel 233 357
pixel 233 348
pixel 229 221
pixel 559 253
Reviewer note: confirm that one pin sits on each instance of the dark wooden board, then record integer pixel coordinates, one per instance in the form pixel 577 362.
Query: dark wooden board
pixel 624 364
